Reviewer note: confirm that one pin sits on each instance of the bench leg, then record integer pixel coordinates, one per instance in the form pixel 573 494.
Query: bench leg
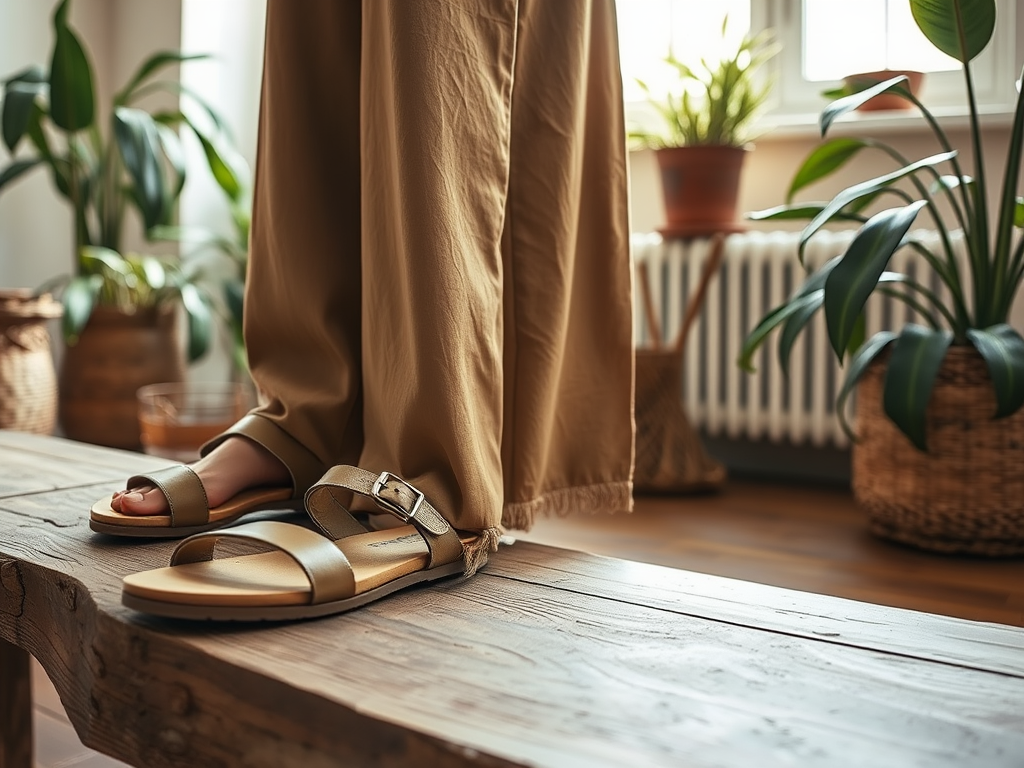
pixel 15 707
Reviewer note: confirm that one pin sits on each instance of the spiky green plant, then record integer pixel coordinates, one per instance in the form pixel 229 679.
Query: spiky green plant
pixel 730 94
pixel 961 29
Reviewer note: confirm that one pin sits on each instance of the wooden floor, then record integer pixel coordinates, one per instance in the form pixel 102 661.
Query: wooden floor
pixel 807 538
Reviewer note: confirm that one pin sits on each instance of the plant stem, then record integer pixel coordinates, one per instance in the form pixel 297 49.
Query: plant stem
pixel 1015 272
pixel 943 140
pixel 934 300
pixel 1004 291
pixel 962 319
pixel 980 264
pixel 954 271
pixel 913 303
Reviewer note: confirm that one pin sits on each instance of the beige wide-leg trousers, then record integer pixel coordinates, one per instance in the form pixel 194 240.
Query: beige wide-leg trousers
pixel 440 280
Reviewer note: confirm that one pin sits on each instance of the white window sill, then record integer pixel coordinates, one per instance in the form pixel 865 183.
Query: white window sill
pixel 781 127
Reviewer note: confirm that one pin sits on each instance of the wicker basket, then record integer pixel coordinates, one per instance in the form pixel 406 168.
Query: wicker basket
pixel 966 494
pixel 28 383
pixel 669 455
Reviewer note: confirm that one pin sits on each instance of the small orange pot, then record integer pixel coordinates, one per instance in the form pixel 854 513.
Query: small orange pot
pixel 701 189
pixel 884 101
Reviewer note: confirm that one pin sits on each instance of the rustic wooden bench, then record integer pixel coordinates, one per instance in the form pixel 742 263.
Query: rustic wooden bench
pixel 549 658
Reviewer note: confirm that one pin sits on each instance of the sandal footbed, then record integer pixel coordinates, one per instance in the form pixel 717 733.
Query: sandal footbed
pixel 103 518
pixel 272 586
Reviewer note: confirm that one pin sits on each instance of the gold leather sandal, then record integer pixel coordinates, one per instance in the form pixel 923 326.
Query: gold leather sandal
pixel 311 574
pixel 190 512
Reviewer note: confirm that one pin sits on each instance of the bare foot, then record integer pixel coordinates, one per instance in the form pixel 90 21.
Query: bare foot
pixel 233 466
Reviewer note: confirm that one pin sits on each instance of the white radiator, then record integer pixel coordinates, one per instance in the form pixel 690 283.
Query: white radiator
pixel 759 270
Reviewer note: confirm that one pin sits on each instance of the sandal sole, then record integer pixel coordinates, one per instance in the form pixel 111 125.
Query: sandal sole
pixel 285 612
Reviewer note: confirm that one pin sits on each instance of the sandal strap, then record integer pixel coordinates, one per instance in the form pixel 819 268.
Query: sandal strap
pixel 328 570
pixel 392 494
pixel 184 492
pixel 303 466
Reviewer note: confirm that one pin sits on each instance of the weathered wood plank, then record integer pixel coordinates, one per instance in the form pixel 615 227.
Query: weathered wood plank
pixel 35 463
pixel 548 658
pixel 993 647
pixel 498 670
pixel 15 708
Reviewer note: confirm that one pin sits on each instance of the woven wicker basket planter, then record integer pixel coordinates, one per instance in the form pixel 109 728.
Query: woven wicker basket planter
pixel 669 454
pixel 116 354
pixel 28 383
pixel 966 494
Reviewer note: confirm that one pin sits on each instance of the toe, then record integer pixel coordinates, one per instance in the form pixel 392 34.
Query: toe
pixel 143 501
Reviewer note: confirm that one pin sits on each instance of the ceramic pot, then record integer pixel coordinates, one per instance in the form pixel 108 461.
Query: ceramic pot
pixel 700 185
pixel 100 375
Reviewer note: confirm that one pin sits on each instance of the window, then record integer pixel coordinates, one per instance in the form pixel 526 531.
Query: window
pixel 842 38
pixel 690 29
pixel 822 41
pixel 822 38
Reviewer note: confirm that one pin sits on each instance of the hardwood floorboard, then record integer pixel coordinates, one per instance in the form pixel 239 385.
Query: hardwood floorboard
pixel 811 538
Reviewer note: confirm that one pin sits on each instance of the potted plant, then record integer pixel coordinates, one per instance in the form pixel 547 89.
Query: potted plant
pixel 705 129
pixel 883 101
pixel 939 458
pixel 119 309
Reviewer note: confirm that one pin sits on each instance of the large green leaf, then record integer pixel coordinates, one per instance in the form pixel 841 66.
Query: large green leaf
pixel 234 300
pixel 824 160
pixel 851 282
pixel 840 107
pixel 154 63
pixel 916 359
pixel 16 169
pixel 200 320
pixel 799 212
pixel 19 98
pixel 962 39
pixel 153 271
pixel 1003 350
pixel 95 258
pixel 79 298
pixel 72 96
pixel 770 322
pixel 175 154
pixel 225 163
pixel 795 323
pixel 1018 213
pixel 859 362
pixel 869 187
pixel 139 143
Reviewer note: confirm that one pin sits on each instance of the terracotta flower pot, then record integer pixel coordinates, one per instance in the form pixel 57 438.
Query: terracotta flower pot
pixel 100 375
pixel 884 100
pixel 28 383
pixel 701 188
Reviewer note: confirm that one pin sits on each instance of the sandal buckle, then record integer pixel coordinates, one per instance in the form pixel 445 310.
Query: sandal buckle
pixel 393 502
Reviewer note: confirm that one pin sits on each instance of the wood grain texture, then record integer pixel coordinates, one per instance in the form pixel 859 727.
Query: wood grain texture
pixel 547 658
pixel 810 538
pixel 15 708
pixel 35 463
